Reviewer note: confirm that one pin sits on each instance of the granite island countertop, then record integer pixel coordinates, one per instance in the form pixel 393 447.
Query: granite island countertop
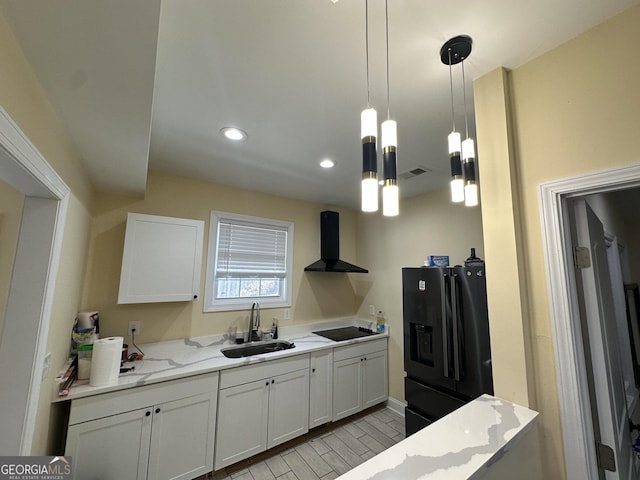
pixel 174 359
pixel 462 445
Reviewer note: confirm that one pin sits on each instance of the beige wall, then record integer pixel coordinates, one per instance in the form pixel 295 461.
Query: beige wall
pixel 427 225
pixel 574 110
pixel 11 202
pixel 316 296
pixel 24 100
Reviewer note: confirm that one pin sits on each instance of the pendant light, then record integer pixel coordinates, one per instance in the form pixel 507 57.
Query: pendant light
pixel 368 134
pixel 468 156
pixel 463 181
pixel 390 192
pixel 457 182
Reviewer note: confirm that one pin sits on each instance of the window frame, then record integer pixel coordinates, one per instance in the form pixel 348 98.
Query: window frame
pixel 211 304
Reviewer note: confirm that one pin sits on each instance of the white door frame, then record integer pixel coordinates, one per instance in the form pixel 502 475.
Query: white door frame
pixel 25 330
pixel 573 391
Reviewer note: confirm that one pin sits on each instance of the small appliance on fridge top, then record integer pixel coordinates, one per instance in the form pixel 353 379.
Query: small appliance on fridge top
pixel 447 356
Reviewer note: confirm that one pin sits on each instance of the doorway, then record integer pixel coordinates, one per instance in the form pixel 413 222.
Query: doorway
pixel 572 369
pixel 25 329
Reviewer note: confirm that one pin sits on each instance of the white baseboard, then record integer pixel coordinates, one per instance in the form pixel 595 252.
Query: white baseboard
pixel 396 405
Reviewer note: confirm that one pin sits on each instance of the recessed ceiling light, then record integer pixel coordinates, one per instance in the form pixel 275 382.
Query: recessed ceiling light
pixel 327 163
pixel 233 133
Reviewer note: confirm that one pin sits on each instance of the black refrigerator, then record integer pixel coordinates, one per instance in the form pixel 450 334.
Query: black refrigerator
pixel 447 356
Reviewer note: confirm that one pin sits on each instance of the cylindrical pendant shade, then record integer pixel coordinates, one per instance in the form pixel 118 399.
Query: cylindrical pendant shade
pixel 457 190
pixel 390 200
pixel 469 171
pixel 370 194
pixel 389 164
pixel 389 133
pixel 454 142
pixel 471 194
pixel 369 132
pixel 369 158
pixel 456 165
pixel 468 149
pixel 368 123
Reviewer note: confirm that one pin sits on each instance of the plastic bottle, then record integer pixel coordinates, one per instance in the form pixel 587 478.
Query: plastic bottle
pixel 85 352
pixel 473 260
pixel 380 322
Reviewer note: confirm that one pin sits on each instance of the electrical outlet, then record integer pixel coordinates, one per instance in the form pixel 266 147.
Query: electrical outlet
pixel 287 314
pixel 372 310
pixel 134 325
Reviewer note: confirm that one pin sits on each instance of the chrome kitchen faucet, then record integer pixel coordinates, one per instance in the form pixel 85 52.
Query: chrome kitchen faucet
pixel 254 323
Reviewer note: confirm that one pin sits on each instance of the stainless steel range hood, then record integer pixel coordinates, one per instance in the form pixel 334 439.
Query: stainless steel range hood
pixel 330 248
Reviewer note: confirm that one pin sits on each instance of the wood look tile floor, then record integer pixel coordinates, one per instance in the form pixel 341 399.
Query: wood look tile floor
pixel 325 452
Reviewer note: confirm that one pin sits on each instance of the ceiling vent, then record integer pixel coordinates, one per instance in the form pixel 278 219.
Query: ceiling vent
pixel 414 172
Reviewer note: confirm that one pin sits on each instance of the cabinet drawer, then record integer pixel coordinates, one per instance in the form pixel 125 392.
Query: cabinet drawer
pixel 251 373
pixel 112 403
pixel 358 349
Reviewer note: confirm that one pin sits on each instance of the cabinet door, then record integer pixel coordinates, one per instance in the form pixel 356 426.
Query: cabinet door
pixel 347 387
pixel 111 448
pixel 288 407
pixel 162 259
pixel 242 422
pixel 374 379
pixel 182 436
pixel 321 388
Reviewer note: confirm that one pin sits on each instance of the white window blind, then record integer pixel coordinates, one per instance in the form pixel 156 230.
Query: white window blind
pixel 247 249
pixel 250 259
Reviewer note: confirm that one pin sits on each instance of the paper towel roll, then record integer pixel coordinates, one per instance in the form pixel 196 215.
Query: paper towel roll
pixel 105 361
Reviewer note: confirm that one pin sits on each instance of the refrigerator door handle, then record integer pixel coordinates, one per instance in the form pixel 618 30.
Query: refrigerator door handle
pixel 455 320
pixel 445 339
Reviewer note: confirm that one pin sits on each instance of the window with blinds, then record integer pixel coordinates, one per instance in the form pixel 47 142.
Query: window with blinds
pixel 249 261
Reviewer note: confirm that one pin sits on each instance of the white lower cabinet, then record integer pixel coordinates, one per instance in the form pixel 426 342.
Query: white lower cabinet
pixel 243 412
pixel 321 388
pixel 170 437
pixel 360 377
pixel 375 387
pixel 347 387
pixel 112 447
pixel 288 407
pixel 182 438
pixel 261 406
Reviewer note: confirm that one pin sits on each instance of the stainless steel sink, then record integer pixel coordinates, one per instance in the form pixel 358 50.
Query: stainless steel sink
pixel 256 348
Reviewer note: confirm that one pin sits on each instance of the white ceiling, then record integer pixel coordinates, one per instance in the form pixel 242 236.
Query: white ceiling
pixel 143 84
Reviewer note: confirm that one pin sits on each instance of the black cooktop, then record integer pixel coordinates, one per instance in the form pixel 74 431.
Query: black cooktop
pixel 345 333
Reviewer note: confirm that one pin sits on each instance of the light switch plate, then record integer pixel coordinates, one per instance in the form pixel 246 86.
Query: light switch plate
pixel 46 365
pixel 372 310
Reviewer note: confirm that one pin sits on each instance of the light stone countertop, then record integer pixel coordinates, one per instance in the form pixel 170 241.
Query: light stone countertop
pixel 181 358
pixel 462 445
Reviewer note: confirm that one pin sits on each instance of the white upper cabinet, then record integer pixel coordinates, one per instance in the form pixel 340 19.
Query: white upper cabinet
pixel 162 259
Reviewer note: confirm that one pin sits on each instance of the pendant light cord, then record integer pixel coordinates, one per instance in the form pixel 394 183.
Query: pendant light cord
pixel 453 117
pixel 386 17
pixel 366 43
pixel 464 96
